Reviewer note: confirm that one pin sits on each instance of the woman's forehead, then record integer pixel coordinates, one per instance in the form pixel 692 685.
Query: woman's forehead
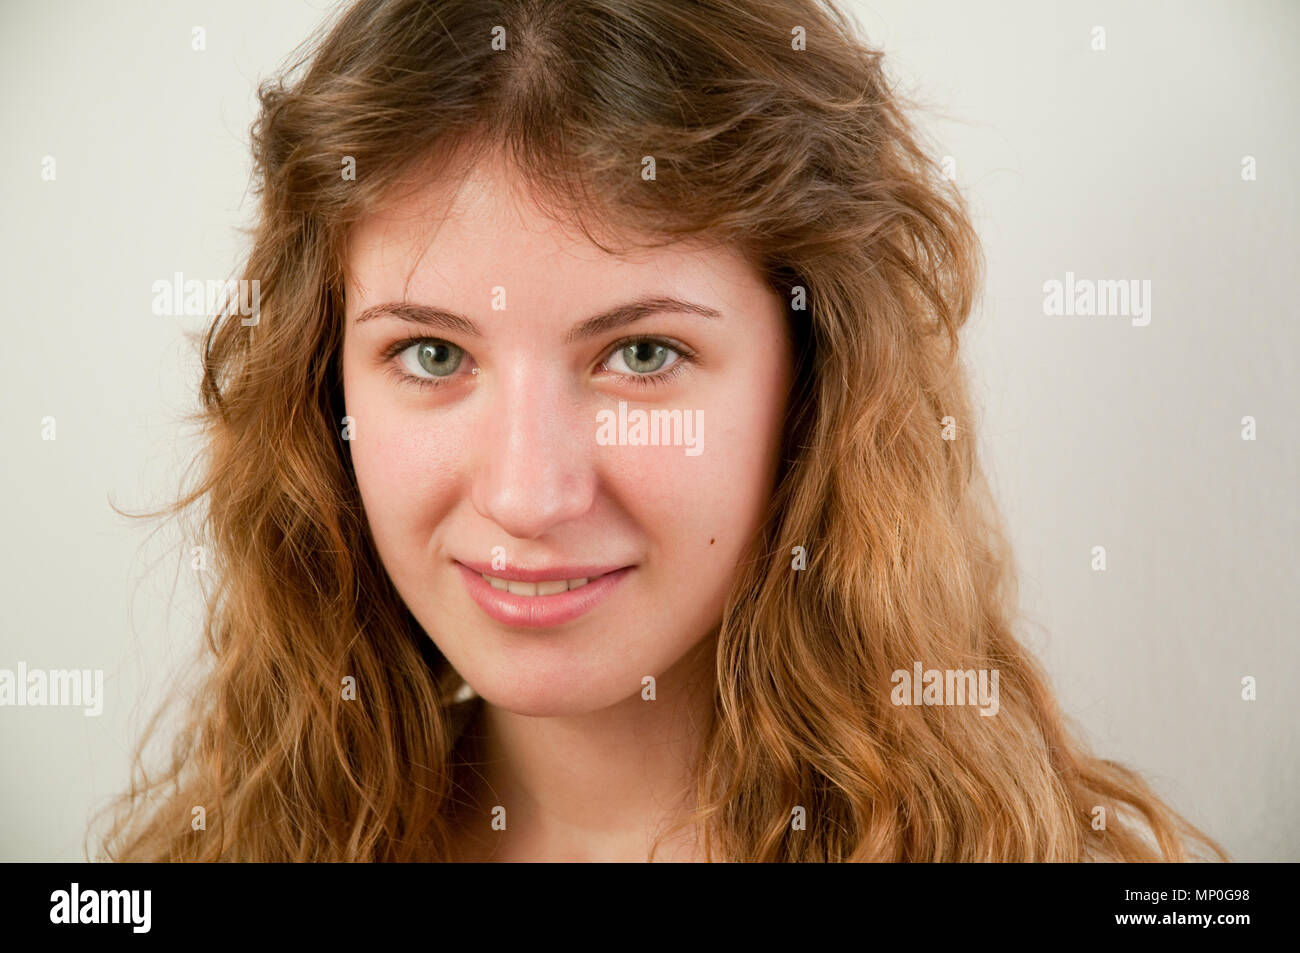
pixel 488 230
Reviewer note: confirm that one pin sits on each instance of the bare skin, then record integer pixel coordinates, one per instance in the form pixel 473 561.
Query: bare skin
pixel 535 834
pixel 502 453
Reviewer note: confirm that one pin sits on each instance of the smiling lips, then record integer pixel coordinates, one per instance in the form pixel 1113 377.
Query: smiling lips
pixel 539 598
pixel 547 587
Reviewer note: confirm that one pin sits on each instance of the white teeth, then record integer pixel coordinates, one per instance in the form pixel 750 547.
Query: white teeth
pixel 549 587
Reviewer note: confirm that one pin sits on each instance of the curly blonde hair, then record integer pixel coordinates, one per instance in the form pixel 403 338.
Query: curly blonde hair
pixel 805 158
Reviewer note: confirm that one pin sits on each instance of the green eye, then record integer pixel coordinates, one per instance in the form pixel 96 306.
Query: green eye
pixel 437 358
pixel 642 357
pixel 645 357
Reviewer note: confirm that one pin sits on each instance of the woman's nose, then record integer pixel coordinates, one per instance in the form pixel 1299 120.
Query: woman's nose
pixel 533 463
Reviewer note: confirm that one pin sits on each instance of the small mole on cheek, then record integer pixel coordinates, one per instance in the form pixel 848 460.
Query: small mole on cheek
pixel 710 542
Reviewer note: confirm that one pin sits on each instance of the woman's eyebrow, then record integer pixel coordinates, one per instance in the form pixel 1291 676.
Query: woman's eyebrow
pixel 442 319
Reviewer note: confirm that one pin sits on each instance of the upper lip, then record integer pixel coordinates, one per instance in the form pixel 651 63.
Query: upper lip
pixel 518 574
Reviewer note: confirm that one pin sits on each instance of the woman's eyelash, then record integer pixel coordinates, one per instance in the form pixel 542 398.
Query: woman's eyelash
pixel 685 357
pixel 424 383
pixel 658 379
pixel 395 370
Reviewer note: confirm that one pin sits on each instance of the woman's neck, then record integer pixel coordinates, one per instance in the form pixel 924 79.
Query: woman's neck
pixel 598 786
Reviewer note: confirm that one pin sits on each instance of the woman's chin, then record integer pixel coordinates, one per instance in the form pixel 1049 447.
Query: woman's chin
pixel 542 701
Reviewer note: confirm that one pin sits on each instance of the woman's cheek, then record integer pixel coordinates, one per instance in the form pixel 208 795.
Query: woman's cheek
pixel 406 469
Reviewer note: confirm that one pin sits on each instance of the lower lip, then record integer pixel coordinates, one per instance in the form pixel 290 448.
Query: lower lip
pixel 539 612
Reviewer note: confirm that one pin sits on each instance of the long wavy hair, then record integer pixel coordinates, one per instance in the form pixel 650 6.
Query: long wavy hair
pixel 773 127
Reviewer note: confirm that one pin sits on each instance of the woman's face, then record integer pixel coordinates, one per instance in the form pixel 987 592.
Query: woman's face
pixel 488 439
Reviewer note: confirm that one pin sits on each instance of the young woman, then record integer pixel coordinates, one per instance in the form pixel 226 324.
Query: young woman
pixel 598 480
